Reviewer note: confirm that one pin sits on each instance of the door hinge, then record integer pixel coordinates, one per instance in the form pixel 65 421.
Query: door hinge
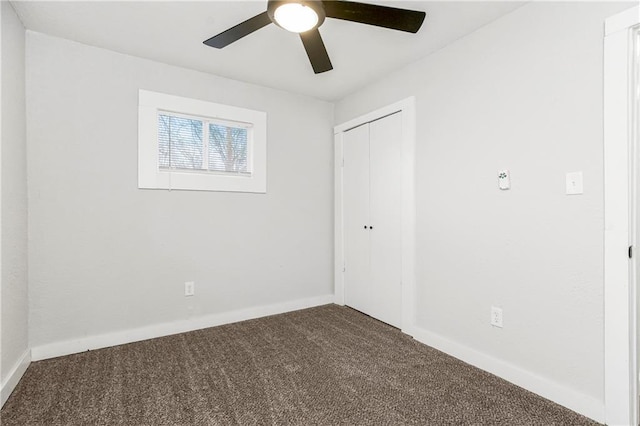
pixel 630 252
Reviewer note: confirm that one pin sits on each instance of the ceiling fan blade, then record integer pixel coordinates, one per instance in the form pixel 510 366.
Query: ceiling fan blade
pixel 316 51
pixel 380 16
pixel 245 28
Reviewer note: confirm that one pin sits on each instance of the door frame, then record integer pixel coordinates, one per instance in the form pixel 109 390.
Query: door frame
pixel 620 171
pixel 408 208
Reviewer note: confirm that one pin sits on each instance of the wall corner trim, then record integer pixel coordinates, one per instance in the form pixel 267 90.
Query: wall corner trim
pixel 14 376
pixel 570 398
pixel 68 347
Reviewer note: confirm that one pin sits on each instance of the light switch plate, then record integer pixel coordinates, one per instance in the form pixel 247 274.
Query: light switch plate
pixel 574 183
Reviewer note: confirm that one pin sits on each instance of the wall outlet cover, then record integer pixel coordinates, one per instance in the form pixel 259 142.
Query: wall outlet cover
pixel 496 317
pixel 189 288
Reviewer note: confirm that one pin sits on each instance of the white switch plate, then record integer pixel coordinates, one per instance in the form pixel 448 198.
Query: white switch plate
pixel 496 317
pixel 189 288
pixel 574 183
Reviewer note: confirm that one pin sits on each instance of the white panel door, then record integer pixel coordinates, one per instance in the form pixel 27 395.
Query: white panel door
pixel 355 193
pixel 385 137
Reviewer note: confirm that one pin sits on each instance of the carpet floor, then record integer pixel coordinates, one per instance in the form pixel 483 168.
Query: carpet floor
pixel 328 365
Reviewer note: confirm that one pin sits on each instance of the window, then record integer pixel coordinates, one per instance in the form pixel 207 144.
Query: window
pixel 191 144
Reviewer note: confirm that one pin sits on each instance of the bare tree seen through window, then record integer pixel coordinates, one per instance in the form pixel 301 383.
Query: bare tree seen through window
pixel 227 148
pixel 180 145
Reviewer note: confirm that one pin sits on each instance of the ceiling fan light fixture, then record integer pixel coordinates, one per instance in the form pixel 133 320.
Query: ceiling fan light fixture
pixel 306 16
pixel 296 17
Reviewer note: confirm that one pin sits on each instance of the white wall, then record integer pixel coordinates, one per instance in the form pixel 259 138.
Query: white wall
pixel 523 93
pixel 13 201
pixel 106 256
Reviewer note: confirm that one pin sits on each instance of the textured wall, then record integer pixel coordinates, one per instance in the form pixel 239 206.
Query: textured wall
pixel 106 256
pixel 523 93
pixel 13 192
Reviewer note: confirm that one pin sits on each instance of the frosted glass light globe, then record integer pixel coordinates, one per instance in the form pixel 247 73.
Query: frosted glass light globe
pixel 296 17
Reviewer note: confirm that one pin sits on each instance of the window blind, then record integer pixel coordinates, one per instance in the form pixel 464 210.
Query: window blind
pixel 179 143
pixel 191 143
pixel 227 149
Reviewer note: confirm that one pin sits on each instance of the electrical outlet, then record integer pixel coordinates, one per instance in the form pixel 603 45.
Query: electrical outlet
pixel 189 288
pixel 496 317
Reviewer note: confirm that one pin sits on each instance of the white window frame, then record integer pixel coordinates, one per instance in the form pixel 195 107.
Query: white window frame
pixel 150 176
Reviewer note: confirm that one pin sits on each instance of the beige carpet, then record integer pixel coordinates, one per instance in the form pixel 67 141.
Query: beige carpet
pixel 328 365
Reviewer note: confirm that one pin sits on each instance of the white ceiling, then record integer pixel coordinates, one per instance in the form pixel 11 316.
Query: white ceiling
pixel 172 32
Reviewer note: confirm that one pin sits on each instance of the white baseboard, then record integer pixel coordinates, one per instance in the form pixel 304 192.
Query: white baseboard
pixel 584 404
pixel 14 376
pixel 68 347
pixel 567 397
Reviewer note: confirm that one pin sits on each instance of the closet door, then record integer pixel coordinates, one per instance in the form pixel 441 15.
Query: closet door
pixel 356 217
pixel 385 136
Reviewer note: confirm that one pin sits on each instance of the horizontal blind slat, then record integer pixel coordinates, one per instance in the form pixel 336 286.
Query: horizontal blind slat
pixel 228 149
pixel 180 145
pixel 179 142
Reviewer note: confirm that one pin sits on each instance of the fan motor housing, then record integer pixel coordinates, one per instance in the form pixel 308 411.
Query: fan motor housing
pixel 316 5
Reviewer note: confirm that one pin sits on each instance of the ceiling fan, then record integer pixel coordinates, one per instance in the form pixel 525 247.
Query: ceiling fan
pixel 305 16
